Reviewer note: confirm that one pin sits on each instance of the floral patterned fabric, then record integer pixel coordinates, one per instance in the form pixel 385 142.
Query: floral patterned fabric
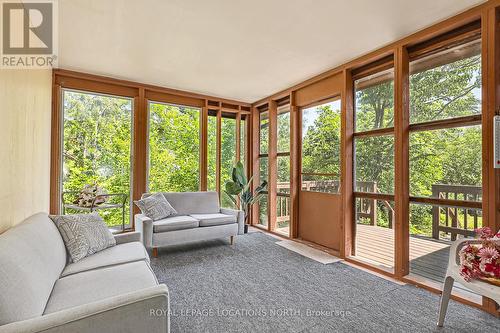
pixel 481 261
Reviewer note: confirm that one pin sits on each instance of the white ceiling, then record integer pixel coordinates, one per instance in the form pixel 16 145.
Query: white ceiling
pixel 237 49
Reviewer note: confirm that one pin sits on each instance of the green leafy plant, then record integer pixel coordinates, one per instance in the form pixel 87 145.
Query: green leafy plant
pixel 241 188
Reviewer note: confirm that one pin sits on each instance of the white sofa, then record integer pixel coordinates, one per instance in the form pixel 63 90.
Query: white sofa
pixel 199 217
pixel 113 290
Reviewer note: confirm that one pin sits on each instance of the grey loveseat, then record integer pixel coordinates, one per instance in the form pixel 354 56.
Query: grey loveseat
pixel 110 291
pixel 199 217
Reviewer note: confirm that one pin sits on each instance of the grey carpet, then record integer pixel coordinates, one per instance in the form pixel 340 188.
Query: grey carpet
pixel 258 286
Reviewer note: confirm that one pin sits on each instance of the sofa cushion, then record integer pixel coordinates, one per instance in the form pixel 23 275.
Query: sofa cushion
pixel 119 254
pixel 99 284
pixel 186 203
pixel 156 207
pixel 32 256
pixel 209 220
pixel 175 223
pixel 84 234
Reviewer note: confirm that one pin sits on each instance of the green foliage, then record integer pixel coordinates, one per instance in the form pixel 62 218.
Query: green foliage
pixel 228 153
pixel 446 91
pixel 98 141
pixel 449 156
pixel 240 187
pixel 283 145
pixel 321 142
pixel 375 107
pixel 174 148
pixel 97 145
pixel 212 153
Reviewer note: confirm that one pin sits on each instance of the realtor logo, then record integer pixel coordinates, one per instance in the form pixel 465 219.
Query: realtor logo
pixel 28 34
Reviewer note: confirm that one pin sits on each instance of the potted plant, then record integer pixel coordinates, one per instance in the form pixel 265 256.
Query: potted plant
pixel 241 188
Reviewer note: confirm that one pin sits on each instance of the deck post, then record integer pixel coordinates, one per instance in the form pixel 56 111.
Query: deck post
pixel 373 212
pixel 435 214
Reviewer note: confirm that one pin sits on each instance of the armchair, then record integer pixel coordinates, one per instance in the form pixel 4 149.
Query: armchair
pixel 453 273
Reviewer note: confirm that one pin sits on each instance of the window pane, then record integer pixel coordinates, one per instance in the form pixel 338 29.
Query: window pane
pixel 430 243
pixel 212 153
pixel 264 132
pixel 243 135
pixel 263 175
pixel 321 138
pixel 284 169
pixel 263 210
pixel 374 104
pixel 446 163
pixel 374 164
pixel 283 214
pixel 374 232
pixel 319 183
pixel 284 130
pixel 174 148
pixel 228 156
pixel 263 167
pixel 447 84
pixel 97 139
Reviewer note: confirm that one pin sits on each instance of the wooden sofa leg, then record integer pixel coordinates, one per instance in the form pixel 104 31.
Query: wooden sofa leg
pixel 232 240
pixel 155 252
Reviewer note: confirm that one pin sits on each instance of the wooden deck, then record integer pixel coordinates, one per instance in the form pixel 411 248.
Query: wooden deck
pixel 284 231
pixel 428 257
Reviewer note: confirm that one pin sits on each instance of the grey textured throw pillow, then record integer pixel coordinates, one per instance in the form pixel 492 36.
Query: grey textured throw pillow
pixel 156 207
pixel 83 234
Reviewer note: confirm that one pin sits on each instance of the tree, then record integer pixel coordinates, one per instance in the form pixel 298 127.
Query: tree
pixel 321 142
pixel 228 156
pixel 174 148
pixel 97 145
pixel 448 156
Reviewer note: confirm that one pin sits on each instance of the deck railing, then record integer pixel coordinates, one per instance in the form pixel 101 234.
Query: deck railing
pixel 367 208
pixel 451 214
pixel 283 202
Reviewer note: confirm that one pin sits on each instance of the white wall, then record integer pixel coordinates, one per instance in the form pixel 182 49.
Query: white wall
pixel 25 119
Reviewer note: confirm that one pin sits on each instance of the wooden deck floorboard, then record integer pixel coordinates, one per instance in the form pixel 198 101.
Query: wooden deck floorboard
pixel 428 257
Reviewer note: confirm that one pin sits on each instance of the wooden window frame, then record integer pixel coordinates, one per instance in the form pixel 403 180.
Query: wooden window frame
pixel 435 37
pixel 140 94
pixel 101 92
pixel 284 103
pixel 457 37
pixel 384 64
pixel 255 221
pixel 487 13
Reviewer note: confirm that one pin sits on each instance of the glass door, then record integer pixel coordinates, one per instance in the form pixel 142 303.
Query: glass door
pixel 320 204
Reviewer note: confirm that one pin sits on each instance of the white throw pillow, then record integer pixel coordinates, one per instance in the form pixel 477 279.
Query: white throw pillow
pixel 83 234
pixel 156 207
